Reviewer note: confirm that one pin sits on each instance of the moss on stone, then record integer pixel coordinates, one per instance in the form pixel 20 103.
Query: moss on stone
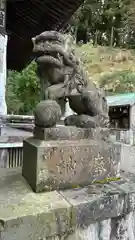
pixel 107 180
pixel 75 186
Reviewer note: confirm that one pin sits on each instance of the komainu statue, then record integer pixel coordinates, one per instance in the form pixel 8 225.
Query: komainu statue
pixel 62 77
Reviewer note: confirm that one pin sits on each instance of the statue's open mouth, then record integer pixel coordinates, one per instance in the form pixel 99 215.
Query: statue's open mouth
pixel 53 53
pixel 48 56
pixel 49 60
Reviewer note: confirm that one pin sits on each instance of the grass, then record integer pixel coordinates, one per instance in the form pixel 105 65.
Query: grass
pixel 107 63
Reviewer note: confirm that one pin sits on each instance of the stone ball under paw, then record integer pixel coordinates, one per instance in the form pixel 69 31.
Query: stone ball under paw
pixel 47 113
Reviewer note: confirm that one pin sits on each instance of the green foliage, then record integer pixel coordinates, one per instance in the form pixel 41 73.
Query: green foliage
pixel 111 18
pixel 129 23
pixel 110 68
pixel 118 82
pixel 23 90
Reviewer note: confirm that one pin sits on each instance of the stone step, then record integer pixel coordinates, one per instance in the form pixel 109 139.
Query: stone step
pixel 95 212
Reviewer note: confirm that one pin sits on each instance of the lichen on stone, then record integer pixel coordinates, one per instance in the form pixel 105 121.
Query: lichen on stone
pixel 107 180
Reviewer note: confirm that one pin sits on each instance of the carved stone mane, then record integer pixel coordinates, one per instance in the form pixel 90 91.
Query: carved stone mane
pixel 62 76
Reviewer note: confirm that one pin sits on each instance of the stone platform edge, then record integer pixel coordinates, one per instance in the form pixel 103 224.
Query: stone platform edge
pixel 28 215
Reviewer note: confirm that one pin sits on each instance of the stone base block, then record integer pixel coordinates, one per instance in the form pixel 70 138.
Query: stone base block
pixel 70 133
pixel 49 165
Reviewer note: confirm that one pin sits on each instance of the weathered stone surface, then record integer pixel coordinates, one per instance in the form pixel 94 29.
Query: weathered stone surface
pixel 120 228
pixel 95 203
pixel 101 201
pixel 30 216
pixel 47 113
pixel 107 211
pixel 49 165
pixel 82 121
pixel 128 152
pixel 3 157
pixel 13 139
pixel 70 133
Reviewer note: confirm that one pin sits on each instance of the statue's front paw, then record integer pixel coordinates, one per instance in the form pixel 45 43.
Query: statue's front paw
pixel 81 121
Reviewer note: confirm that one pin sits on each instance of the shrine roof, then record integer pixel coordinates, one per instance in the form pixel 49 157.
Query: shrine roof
pixel 27 18
pixel 126 99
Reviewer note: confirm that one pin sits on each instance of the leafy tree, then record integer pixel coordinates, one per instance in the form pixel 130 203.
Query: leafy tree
pixel 129 23
pixel 23 90
pixel 99 17
pixel 87 17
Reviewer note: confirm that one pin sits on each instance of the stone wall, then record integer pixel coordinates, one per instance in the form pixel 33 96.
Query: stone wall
pixel 120 228
pixel 99 212
pixel 127 140
pixel 123 136
pixel 132 117
pixel 128 158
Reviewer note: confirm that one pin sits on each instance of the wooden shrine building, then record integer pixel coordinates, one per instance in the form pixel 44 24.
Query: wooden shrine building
pixel 122 111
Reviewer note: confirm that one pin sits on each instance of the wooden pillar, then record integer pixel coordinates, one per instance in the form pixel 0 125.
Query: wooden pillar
pixel 3 50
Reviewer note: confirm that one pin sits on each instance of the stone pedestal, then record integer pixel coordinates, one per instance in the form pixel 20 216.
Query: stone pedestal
pixel 58 164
